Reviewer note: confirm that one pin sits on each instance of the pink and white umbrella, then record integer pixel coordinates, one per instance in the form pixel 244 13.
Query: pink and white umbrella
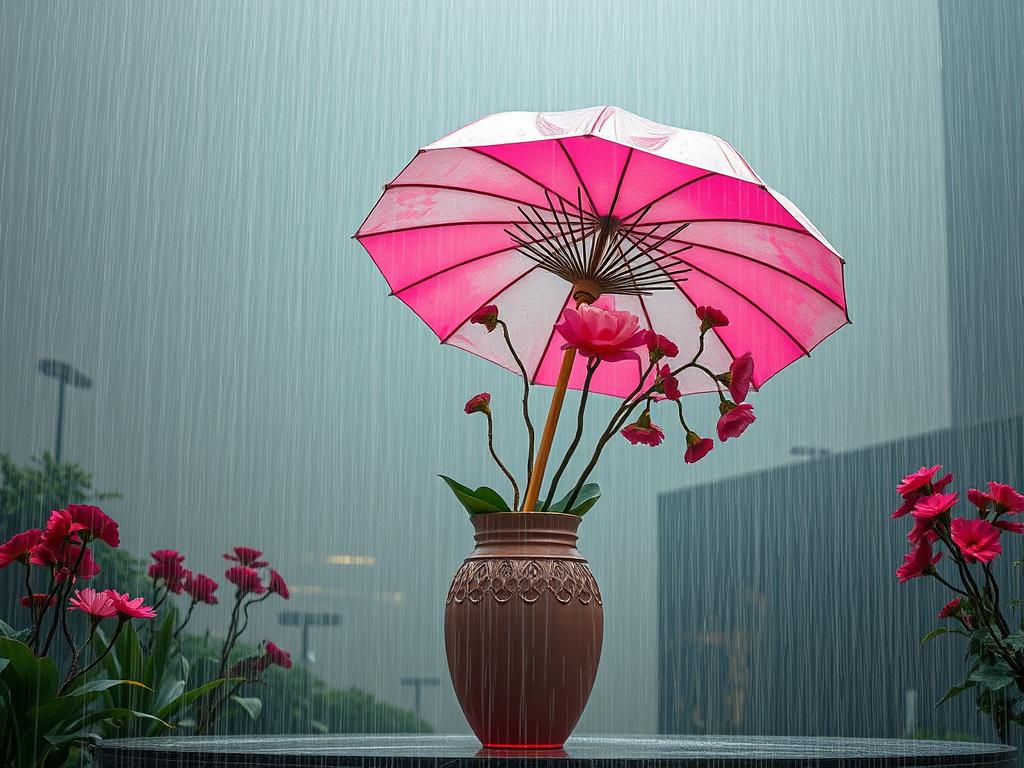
pixel 530 211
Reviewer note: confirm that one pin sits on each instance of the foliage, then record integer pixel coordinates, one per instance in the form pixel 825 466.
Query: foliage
pixel 995 644
pixel 29 492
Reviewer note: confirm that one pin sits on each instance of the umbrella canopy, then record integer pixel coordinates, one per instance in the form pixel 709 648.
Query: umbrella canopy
pixel 534 212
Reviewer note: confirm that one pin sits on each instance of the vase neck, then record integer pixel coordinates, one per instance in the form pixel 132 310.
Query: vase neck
pixel 526 534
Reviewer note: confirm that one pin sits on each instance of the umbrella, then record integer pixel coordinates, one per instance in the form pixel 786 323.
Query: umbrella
pixel 534 212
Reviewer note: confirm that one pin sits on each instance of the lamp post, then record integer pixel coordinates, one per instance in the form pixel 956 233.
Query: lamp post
pixel 418 683
pixel 65 375
pixel 307 619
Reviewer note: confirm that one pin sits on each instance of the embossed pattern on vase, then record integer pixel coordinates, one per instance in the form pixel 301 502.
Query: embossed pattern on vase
pixel 526 579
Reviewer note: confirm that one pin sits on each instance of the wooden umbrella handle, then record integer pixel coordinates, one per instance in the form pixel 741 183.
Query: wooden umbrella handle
pixel 548 436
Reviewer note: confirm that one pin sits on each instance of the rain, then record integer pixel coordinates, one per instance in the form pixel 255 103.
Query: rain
pixel 179 187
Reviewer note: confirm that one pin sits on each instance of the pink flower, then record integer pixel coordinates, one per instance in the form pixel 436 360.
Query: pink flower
pixel 98 605
pixel 276 655
pixel 668 384
pixel 977 539
pixel 172 573
pixel 127 608
pixel 741 374
pixel 479 403
pixel 917 480
pixel 201 588
pixel 711 318
pixel 277 584
pixel 248 557
pixel 697 447
pixel 166 555
pixel 918 562
pixel 607 335
pixel 1006 525
pixel 1006 497
pixel 950 609
pixel 64 560
pixel 38 600
pixel 922 530
pixel 486 316
pixel 19 547
pixel 246 579
pixel 734 419
pixel 643 431
pixel 658 346
pixel 96 524
pixel 979 499
pixel 930 507
pixel 59 530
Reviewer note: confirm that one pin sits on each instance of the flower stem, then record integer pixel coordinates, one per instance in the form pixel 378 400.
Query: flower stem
pixel 98 659
pixel 591 368
pixel 526 400
pixel 501 466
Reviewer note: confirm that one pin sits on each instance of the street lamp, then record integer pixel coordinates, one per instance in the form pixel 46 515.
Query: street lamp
pixel 307 619
pixel 418 683
pixel 65 375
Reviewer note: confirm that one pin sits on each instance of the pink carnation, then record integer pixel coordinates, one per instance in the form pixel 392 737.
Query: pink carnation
pixel 19 547
pixel 697 447
pixel 642 431
pixel 247 556
pixel 128 608
pixel 658 346
pixel 741 375
pixel 1006 497
pixel 96 524
pixel 201 588
pixel 601 333
pixel 950 609
pixel 486 316
pixel 277 655
pixel 668 384
pixel 917 480
pixel 978 540
pixel 246 579
pixel 930 507
pixel 98 605
pixel 277 584
pixel 38 600
pixel 918 562
pixel 734 419
pixel 478 403
pixel 711 318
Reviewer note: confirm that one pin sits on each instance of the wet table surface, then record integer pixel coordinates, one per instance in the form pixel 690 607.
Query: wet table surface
pixel 434 751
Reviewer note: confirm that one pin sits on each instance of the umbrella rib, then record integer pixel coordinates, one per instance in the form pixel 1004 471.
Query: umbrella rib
pixel 752 303
pixel 618 187
pixel 488 301
pixel 797 230
pixel 450 267
pixel 760 263
pixel 522 173
pixel 578 177
pixel 467 190
pixel 544 350
pixel 672 191
pixel 399 230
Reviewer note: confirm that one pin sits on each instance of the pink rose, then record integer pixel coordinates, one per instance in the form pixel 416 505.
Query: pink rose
pixel 918 562
pixel 479 403
pixel 486 316
pixel 658 346
pixel 977 539
pixel 697 447
pixel 734 419
pixel 642 431
pixel 600 333
pixel 741 374
pixel 711 318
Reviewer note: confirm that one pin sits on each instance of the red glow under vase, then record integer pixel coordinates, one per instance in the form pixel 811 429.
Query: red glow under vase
pixel 523 625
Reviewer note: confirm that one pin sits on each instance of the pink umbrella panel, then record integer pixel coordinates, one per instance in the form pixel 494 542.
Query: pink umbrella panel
pixel 510 210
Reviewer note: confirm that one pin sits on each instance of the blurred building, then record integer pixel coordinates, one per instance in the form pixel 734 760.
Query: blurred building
pixel 779 612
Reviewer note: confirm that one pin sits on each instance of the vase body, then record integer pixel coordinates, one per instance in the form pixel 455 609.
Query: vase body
pixel 523 626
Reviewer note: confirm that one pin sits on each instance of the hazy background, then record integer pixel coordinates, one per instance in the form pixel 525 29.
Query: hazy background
pixel 178 187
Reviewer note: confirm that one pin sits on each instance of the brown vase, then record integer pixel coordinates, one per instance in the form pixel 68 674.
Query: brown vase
pixel 523 624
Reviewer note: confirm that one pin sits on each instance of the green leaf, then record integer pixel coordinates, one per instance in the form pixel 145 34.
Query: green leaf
pixel 98 686
pixel 6 630
pixel 188 697
pixel 585 499
pixel 955 691
pixel 253 706
pixel 1015 641
pixel 477 502
pixel 934 633
pixel 78 736
pixel 994 678
pixel 117 713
